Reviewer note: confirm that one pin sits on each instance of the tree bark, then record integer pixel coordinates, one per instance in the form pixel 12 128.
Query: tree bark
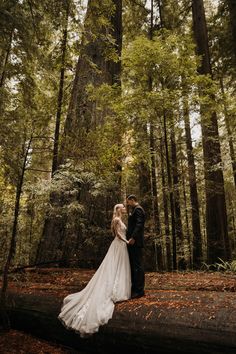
pixel 81 116
pixel 60 92
pixel 175 173
pixel 156 217
pixel 144 179
pixel 165 205
pixel 216 215
pixel 148 176
pixel 197 239
pixel 187 239
pixel 171 196
pixel 161 324
pixel 3 73
pixel 93 67
pixel 229 132
pixel 155 208
pixel 232 12
pixel 4 320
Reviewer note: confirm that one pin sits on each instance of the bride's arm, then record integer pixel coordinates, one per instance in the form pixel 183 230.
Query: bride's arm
pixel 117 231
pixel 123 239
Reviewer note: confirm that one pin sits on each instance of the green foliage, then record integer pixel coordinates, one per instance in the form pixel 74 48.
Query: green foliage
pixel 221 266
pixel 221 40
pixel 107 157
pixel 30 52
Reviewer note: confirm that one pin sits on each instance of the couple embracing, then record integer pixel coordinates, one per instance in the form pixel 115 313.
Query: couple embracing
pixel 119 277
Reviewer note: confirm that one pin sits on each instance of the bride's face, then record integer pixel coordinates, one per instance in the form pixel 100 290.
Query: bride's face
pixel 123 210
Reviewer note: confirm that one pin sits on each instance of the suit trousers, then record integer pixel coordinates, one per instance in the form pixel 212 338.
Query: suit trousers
pixel 137 271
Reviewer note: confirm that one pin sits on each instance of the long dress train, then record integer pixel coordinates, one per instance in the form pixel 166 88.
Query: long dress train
pixel 92 307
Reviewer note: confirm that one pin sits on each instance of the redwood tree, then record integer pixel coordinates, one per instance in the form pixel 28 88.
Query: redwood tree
pixel 232 12
pixel 98 63
pixel 61 88
pixel 216 216
pixel 196 227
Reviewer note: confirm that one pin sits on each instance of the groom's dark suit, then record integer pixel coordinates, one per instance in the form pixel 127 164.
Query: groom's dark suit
pixel 135 230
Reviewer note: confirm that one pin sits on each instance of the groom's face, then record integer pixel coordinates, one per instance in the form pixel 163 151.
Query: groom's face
pixel 130 202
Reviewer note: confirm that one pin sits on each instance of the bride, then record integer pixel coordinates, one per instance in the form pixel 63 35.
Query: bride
pixel 92 307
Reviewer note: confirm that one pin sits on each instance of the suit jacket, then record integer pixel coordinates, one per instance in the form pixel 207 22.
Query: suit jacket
pixel 135 227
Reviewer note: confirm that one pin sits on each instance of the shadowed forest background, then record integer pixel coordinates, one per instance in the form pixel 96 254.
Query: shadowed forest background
pixel 108 98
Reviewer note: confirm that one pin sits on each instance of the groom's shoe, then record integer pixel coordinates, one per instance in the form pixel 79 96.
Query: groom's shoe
pixel 137 295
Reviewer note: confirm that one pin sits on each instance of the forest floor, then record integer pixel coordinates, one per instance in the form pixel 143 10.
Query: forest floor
pixel 62 281
pixel 190 292
pixel 18 342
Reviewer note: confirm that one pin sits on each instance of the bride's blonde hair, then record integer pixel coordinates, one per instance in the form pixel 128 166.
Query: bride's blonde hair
pixel 116 214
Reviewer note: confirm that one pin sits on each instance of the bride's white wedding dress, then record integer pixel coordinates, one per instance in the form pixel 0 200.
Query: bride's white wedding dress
pixel 92 307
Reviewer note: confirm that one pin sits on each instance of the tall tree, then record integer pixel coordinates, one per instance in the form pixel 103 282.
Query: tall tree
pixel 61 88
pixel 165 205
pixel 175 174
pixel 232 11
pixel 4 319
pixel 98 63
pixel 196 227
pixel 155 207
pixel 169 21
pixel 216 215
pixel 171 194
pixel 187 239
pixel 229 131
pixel 6 58
pixel 93 66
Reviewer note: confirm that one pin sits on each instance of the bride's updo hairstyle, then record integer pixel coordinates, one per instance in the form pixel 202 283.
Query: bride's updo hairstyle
pixel 116 214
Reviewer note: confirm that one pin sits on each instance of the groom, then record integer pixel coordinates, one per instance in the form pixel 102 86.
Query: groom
pixel 135 235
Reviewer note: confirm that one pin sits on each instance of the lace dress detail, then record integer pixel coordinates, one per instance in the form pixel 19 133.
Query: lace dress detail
pixel 92 307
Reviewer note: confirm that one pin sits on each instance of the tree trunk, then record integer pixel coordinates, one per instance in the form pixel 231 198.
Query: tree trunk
pixel 175 173
pixel 162 323
pixel 187 239
pixel 60 93
pixel 197 239
pixel 171 196
pixel 155 208
pixel 4 320
pixel 148 177
pixel 229 132
pixel 81 116
pixel 216 215
pixel 165 205
pixel 156 217
pixel 3 73
pixel 168 20
pixel 232 13
pixel 61 235
pixel 144 178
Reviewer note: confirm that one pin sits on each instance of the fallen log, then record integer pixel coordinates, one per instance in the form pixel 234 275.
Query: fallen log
pixel 164 321
pixel 58 262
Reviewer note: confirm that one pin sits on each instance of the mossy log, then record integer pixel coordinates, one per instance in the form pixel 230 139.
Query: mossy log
pixel 164 321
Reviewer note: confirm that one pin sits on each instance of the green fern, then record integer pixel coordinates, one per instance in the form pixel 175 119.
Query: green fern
pixel 220 266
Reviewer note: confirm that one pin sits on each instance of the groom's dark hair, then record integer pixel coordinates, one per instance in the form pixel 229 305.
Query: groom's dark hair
pixel 132 197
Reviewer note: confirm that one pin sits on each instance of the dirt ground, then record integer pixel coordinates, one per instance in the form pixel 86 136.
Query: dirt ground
pixel 16 342
pixel 60 281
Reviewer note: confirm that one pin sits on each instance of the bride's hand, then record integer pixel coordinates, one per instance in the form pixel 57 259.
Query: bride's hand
pixel 131 241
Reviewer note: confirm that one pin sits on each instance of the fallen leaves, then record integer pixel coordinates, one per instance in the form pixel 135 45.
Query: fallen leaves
pixel 16 342
pixel 166 291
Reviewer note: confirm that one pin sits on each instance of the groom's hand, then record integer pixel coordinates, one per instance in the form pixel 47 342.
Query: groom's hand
pixel 131 241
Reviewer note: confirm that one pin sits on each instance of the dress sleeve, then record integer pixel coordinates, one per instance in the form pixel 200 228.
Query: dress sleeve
pixel 117 226
pixel 118 230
